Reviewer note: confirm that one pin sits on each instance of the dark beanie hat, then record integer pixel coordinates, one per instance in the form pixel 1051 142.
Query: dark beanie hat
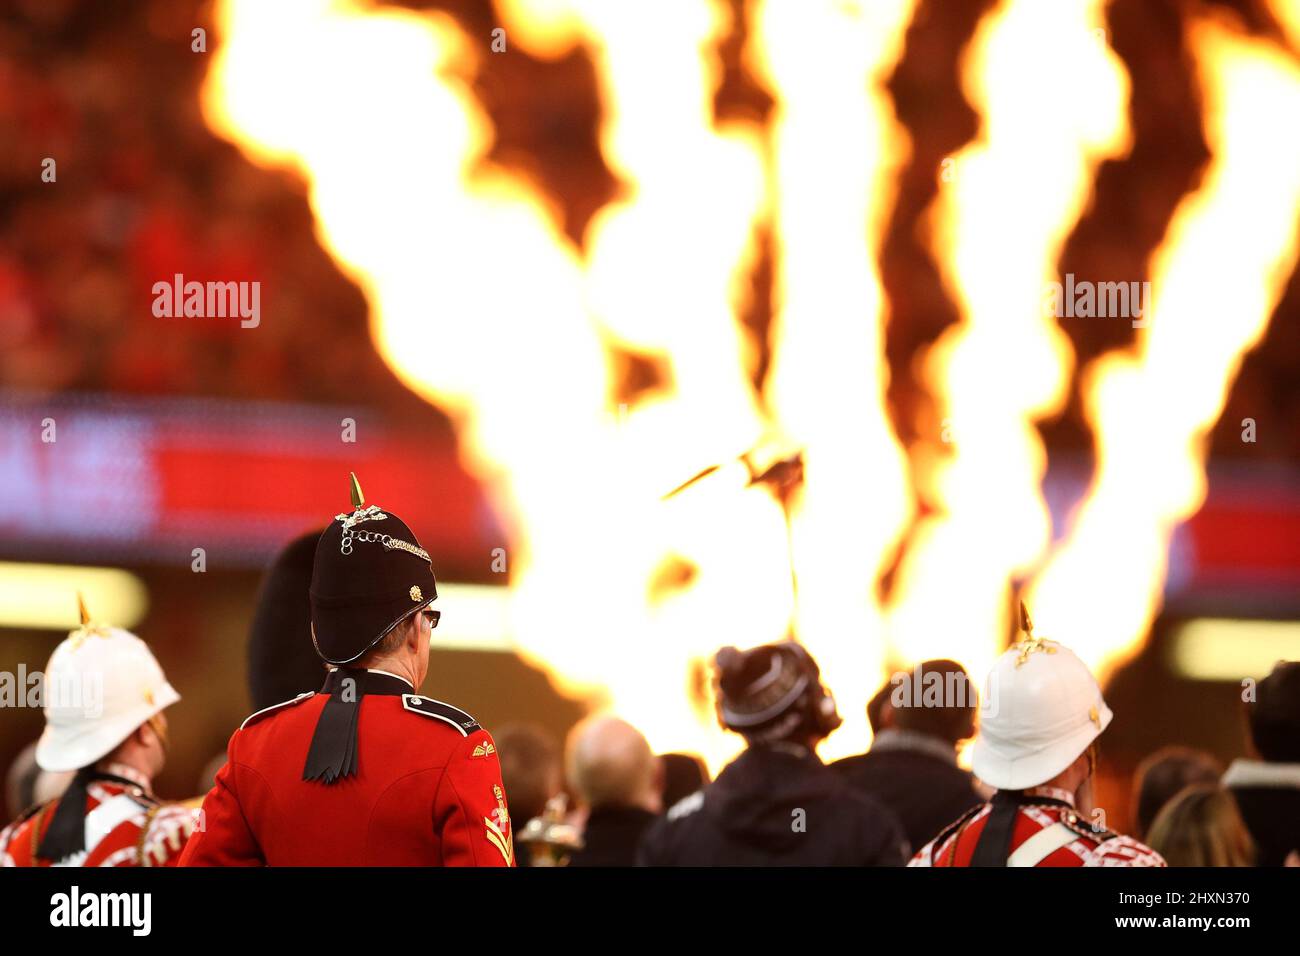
pixel 766 692
pixel 282 663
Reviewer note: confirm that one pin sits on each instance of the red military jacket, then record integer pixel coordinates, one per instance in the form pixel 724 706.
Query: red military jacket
pixel 124 826
pixel 1047 831
pixel 426 791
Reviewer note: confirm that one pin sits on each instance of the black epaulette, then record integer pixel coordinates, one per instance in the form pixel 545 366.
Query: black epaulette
pixel 266 711
pixel 953 828
pixel 463 722
pixel 1085 829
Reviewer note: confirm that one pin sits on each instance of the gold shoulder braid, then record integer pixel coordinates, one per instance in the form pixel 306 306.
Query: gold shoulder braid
pixel 36 830
pixel 141 858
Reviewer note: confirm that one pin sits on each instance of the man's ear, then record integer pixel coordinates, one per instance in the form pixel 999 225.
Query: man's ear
pixel 968 726
pixel 415 633
pixel 141 735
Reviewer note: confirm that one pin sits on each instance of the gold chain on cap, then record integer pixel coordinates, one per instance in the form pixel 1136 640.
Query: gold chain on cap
pixel 361 513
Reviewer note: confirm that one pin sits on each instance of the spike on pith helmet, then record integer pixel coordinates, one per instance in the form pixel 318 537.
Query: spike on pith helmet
pixel 1043 708
pixel 369 575
pixel 101 683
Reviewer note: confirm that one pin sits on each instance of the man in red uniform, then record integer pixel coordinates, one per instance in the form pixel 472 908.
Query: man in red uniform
pixel 365 772
pixel 1043 714
pixel 104 701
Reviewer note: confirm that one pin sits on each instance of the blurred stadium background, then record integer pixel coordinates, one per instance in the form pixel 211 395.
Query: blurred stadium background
pixel 179 434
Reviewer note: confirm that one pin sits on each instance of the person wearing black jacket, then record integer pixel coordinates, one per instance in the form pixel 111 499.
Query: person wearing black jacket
pixel 619 782
pixel 1268 789
pixel 912 764
pixel 777 804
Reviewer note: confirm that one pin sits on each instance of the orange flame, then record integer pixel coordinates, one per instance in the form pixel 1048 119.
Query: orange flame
pixel 1216 279
pixel 480 304
pixel 833 188
pixel 1051 113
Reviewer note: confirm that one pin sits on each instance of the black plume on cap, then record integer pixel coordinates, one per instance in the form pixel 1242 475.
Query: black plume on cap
pixel 370 574
pixel 282 662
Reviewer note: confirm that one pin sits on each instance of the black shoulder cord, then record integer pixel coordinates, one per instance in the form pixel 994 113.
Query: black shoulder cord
pixel 66 834
pixel 994 845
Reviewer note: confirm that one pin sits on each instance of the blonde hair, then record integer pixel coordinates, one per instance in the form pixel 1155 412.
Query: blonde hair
pixel 1201 826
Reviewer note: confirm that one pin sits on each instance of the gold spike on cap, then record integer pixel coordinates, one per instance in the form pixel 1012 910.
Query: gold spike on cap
pixel 88 628
pixel 1029 643
pixel 359 512
pixel 358 499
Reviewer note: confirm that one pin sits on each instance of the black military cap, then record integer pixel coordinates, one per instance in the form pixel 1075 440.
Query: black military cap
pixel 370 574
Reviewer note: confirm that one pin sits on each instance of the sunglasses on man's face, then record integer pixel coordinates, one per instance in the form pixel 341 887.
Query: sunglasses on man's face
pixel 431 616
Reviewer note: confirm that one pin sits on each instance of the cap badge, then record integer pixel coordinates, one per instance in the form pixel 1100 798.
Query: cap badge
pixel 416 593
pixel 1094 716
pixel 1030 643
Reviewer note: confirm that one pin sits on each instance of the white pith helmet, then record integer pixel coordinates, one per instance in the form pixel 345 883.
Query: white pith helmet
pixel 1043 709
pixel 100 685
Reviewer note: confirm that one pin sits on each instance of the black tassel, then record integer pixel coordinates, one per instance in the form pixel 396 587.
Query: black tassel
pixel 332 755
pixel 66 833
pixel 334 744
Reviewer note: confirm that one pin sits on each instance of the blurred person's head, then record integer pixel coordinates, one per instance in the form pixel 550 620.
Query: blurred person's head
pixel 49 785
pixel 282 663
pixel 684 774
pixel 1274 717
pixel 27 785
pixel 1165 773
pixel 879 713
pixel 208 775
pixel 936 698
pixel 1202 826
pixel 608 763
pixel 530 769
pixel 773 694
